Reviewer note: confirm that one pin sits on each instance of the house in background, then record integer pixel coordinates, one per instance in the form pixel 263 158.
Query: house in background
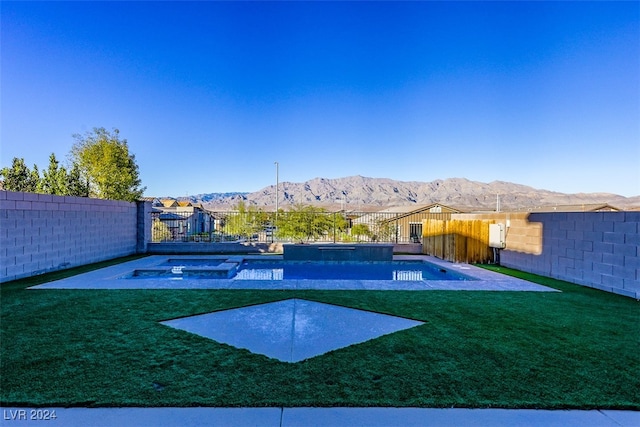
pixel 584 207
pixel 180 220
pixel 402 223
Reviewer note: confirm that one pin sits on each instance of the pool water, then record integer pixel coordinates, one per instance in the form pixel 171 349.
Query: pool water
pixel 398 270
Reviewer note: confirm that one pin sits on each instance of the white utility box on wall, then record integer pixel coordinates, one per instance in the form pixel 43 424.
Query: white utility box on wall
pixel 497 236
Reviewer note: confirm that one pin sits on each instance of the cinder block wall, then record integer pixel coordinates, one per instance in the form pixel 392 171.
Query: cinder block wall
pixel 595 249
pixel 143 226
pixel 41 233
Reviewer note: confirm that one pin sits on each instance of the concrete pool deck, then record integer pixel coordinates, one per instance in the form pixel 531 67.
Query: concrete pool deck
pixel 119 277
pixel 325 417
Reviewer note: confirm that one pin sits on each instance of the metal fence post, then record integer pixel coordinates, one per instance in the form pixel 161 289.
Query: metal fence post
pixel 334 227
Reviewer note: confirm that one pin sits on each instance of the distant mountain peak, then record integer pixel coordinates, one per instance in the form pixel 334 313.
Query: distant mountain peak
pixel 357 192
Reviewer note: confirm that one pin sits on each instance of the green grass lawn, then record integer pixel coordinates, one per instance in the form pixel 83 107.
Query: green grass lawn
pixel 575 349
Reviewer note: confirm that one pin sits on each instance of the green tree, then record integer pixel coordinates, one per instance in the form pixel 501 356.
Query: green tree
pixel 383 230
pixel 54 178
pixel 360 230
pixel 246 221
pixel 108 166
pixel 35 178
pixel 305 223
pixel 339 225
pixel 160 231
pixel 76 184
pixel 19 178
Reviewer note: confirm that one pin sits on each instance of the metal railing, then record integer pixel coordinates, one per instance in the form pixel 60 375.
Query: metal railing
pixel 300 225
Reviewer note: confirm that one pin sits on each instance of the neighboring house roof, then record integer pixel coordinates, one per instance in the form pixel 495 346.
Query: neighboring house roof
pixel 170 216
pixel 404 211
pixel 585 207
pixel 431 208
pixel 168 203
pixel 172 205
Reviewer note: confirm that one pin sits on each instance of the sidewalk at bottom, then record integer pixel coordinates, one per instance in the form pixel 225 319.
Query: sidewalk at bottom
pixel 309 417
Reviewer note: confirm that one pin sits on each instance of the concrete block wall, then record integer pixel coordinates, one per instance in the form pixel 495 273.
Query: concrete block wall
pixel 595 249
pixel 143 226
pixel 41 232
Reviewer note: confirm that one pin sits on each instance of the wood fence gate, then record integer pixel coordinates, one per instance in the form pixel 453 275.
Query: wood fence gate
pixel 457 240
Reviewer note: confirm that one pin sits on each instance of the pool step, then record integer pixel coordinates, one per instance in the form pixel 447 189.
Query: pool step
pixel 225 270
pixel 222 271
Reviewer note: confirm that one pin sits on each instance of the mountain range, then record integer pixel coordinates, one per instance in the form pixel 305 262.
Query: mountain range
pixel 363 193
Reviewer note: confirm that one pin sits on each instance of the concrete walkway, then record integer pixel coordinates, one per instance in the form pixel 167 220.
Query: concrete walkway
pixel 309 417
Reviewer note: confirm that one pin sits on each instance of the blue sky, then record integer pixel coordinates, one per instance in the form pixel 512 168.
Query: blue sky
pixel 210 94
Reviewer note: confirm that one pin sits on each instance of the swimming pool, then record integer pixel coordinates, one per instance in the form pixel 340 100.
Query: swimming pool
pixel 327 270
pixel 252 269
pixel 408 273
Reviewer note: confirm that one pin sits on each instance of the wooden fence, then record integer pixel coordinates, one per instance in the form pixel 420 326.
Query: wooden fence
pixel 457 240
